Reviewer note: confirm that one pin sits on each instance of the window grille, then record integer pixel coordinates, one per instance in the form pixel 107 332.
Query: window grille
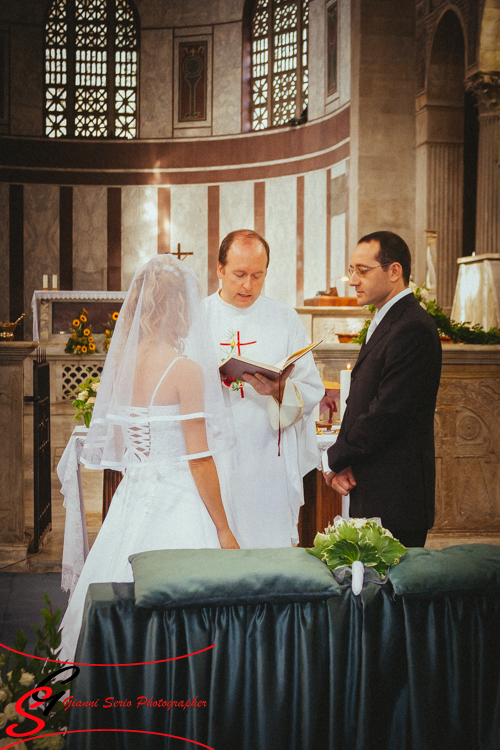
pixel 91 56
pixel 279 61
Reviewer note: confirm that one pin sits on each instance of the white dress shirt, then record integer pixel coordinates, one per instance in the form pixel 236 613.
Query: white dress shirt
pixel 384 310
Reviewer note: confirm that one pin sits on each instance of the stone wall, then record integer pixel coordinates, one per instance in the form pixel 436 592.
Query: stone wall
pixel 187 185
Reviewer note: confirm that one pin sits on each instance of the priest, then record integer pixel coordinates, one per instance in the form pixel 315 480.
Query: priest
pixel 275 428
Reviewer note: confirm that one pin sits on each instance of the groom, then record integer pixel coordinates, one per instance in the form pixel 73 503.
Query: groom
pixel 275 432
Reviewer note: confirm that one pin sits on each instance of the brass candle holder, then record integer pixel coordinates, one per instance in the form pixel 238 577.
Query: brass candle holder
pixel 7 329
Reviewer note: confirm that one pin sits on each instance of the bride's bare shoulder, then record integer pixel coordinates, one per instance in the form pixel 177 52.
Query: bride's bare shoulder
pixel 187 368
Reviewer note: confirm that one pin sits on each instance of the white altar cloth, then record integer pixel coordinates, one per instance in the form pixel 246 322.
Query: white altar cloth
pixel 76 544
pixel 324 442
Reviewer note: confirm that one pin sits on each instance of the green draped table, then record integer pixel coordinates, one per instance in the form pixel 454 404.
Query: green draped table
pixel 410 665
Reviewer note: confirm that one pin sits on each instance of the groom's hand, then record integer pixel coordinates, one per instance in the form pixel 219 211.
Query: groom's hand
pixel 267 387
pixel 343 482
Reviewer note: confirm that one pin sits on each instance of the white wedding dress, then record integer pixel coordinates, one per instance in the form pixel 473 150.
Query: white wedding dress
pixel 156 506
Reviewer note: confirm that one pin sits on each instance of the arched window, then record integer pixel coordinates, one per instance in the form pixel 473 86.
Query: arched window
pixel 279 74
pixel 91 54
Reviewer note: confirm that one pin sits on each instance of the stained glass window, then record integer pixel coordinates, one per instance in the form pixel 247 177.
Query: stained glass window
pixel 279 61
pixel 91 56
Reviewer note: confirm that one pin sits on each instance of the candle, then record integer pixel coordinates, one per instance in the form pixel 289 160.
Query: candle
pixel 54 281
pixel 345 384
pixel 45 282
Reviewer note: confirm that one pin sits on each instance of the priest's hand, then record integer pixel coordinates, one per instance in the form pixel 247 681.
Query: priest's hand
pixel 267 387
pixel 343 482
pixel 226 539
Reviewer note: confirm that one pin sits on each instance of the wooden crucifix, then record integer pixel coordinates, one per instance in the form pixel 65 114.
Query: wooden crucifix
pixel 181 255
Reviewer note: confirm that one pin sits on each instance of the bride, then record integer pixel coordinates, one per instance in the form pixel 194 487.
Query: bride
pixel 160 417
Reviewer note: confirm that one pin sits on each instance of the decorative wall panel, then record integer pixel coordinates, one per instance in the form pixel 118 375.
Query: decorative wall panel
pixel 192 81
pixel 467 429
pixel 41 241
pixel 314 233
pixel 281 234
pixel 139 229
pixel 89 238
pixel 189 226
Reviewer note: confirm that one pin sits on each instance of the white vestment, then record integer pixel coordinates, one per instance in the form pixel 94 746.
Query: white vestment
pixel 265 490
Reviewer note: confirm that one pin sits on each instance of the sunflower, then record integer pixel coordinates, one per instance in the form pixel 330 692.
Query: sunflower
pixel 115 315
pixel 91 338
pixel 92 347
pixel 83 318
pixel 78 348
pixel 84 350
pixel 107 331
pixel 74 336
pixel 86 331
pixel 76 323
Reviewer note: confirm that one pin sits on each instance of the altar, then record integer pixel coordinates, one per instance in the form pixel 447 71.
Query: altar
pixel 282 657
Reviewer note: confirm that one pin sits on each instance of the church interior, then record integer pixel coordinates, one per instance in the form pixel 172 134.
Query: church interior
pixel 311 122
pixel 130 128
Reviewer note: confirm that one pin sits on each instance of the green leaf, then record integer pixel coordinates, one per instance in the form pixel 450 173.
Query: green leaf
pixel 316 552
pixel 321 541
pixel 344 531
pixel 344 551
pixel 393 551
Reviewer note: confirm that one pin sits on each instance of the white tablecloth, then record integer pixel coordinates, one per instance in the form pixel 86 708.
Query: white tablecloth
pixel 324 442
pixel 76 544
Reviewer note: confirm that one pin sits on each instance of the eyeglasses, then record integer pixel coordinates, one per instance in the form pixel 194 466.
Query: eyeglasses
pixel 363 270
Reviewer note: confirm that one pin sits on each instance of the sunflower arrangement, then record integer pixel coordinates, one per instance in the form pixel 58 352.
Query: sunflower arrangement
pixel 110 329
pixel 81 340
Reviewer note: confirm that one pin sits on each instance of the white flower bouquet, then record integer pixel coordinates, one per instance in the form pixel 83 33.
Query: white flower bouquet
pixel 85 399
pixel 361 548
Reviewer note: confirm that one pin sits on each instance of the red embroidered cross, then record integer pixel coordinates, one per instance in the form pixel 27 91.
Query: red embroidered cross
pixel 239 344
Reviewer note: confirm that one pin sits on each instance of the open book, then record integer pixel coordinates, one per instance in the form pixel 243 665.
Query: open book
pixel 237 364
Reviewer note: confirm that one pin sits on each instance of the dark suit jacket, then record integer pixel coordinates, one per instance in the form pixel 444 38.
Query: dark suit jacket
pixel 387 433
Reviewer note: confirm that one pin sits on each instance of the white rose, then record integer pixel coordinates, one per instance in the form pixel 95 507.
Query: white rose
pixel 3 720
pixel 9 740
pixel 82 395
pixel 358 522
pixel 12 715
pixel 91 400
pixel 4 696
pixel 27 679
pixel 96 386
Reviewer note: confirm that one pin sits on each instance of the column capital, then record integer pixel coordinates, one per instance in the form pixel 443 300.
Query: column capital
pixel 486 90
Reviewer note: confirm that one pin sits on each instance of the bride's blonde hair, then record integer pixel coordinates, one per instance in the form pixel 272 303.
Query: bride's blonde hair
pixel 163 299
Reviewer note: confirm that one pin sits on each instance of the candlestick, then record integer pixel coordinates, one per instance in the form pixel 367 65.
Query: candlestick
pixel 54 282
pixel 45 281
pixel 345 384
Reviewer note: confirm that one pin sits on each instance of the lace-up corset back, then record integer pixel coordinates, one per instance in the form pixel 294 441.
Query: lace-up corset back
pixel 157 437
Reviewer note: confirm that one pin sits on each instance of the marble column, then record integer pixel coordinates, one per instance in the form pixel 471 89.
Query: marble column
pixel 444 213
pixel 13 544
pixel 439 194
pixel 486 89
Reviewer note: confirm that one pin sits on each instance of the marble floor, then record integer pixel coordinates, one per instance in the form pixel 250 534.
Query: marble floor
pixel 49 558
